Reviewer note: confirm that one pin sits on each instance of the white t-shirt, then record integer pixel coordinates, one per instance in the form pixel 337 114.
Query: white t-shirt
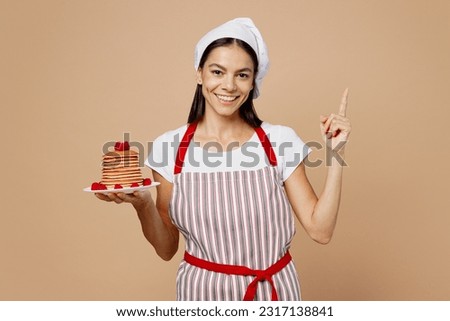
pixel 289 149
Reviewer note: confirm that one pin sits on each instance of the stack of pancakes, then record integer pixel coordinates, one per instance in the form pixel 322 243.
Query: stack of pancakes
pixel 121 167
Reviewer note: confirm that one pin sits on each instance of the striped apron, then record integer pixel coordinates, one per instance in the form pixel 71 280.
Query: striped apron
pixel 238 228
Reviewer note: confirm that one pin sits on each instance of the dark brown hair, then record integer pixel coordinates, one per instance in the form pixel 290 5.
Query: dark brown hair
pixel 247 110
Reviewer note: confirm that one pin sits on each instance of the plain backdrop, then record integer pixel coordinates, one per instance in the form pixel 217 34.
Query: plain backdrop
pixel 75 75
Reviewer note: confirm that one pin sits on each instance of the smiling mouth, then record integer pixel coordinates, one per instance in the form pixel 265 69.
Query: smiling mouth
pixel 227 99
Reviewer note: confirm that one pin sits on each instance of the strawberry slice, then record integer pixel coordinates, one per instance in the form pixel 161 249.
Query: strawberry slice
pixel 98 186
pixel 118 186
pixel 146 182
pixel 135 185
pixel 121 146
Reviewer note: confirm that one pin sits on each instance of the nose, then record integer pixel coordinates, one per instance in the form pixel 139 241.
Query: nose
pixel 229 83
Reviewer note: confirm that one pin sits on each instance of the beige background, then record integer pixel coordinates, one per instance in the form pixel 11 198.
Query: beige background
pixel 77 74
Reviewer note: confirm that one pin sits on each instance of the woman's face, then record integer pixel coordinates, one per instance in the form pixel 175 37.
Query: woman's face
pixel 226 79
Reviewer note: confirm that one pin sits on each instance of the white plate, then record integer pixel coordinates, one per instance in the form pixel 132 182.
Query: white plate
pixel 126 190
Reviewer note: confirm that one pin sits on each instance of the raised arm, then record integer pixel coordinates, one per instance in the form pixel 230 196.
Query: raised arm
pixel 318 215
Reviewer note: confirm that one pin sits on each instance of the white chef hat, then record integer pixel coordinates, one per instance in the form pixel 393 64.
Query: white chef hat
pixel 243 29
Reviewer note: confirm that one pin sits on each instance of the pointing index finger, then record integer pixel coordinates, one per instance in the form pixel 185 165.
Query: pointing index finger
pixel 343 106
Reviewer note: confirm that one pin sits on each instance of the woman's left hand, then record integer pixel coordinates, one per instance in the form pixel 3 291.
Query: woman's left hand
pixel 336 128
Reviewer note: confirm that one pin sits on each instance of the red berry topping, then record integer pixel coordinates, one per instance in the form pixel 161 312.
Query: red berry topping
pixel 135 185
pixel 121 146
pixel 98 186
pixel 117 186
pixel 146 181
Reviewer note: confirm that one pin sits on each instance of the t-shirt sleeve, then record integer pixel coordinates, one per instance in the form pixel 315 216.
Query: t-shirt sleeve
pixel 291 150
pixel 161 157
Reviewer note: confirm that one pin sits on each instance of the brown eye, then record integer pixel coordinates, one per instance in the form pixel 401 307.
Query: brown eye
pixel 243 75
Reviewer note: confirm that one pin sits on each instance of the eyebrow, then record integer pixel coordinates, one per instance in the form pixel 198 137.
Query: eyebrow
pixel 223 68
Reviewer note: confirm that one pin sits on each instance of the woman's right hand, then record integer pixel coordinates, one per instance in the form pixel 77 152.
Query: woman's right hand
pixel 139 199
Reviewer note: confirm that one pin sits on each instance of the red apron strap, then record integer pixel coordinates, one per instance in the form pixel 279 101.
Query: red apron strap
pixel 184 144
pixel 260 275
pixel 182 149
pixel 267 146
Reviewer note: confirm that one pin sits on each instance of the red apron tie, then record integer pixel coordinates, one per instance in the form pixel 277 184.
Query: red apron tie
pixel 260 275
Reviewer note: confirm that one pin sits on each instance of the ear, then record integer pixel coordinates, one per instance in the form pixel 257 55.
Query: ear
pixel 199 76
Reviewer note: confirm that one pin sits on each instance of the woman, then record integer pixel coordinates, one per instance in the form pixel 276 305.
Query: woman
pixel 231 181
